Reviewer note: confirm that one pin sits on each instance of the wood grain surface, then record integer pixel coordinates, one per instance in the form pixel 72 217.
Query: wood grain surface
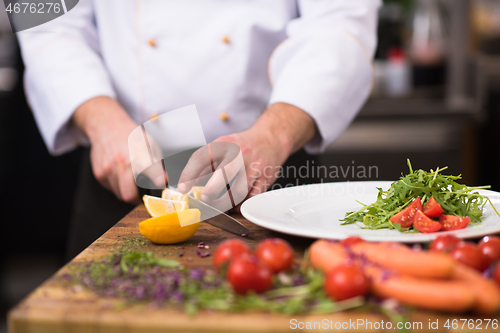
pixel 55 308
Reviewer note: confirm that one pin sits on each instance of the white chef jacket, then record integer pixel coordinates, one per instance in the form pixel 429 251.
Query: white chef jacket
pixel 233 57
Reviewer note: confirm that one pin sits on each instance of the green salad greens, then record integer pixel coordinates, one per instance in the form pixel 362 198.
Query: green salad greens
pixel 454 198
pixel 140 277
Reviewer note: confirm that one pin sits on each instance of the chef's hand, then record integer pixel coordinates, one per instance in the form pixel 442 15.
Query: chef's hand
pixel 280 131
pixel 108 126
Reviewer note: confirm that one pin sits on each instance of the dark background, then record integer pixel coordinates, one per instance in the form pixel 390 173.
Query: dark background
pixel 36 193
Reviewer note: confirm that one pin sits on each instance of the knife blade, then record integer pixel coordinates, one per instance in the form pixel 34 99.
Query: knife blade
pixel 218 218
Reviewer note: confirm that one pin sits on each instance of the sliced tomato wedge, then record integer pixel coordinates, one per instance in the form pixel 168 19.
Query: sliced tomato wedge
pixel 425 224
pixel 452 222
pixel 432 208
pixel 405 217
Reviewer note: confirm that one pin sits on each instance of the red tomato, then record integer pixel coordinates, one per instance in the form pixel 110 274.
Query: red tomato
pixel 276 253
pixel 229 249
pixel 424 224
pixel 452 222
pixel 490 246
pixel 432 208
pixel 349 241
pixel 346 281
pixel 246 273
pixel 496 275
pixel 444 243
pixel 405 217
pixel 470 255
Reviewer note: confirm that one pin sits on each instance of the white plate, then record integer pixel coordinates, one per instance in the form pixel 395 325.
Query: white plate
pixel 315 210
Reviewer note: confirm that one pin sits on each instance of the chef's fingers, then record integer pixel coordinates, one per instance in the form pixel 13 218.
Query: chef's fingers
pixel 256 186
pixel 226 174
pixel 104 173
pixel 113 182
pixel 127 187
pixel 215 185
pixel 155 173
pixel 197 163
pixel 229 198
pixel 260 186
pixel 224 203
pixel 202 178
pixel 240 186
pixel 103 180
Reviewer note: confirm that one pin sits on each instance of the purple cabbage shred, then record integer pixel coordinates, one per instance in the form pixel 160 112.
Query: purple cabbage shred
pixel 202 254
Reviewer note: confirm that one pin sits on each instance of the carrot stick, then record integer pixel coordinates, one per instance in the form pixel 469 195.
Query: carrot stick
pixel 432 294
pixel 406 261
pixel 486 291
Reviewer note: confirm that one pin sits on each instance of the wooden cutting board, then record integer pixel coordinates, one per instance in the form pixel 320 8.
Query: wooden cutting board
pixel 53 308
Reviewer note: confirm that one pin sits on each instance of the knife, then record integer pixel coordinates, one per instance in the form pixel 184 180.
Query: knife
pixel 218 218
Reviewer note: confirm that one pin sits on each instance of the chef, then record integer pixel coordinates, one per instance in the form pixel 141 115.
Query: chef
pixel 272 76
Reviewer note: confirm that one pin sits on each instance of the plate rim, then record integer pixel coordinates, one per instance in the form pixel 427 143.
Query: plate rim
pixel 398 238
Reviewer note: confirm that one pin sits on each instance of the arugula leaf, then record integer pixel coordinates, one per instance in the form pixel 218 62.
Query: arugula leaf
pixel 136 259
pixel 454 198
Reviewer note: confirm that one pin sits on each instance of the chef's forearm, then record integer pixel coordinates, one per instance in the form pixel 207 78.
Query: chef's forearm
pixel 291 126
pixel 99 115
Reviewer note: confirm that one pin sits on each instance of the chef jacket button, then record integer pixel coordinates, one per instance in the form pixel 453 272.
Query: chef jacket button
pixel 223 116
pixel 152 43
pixel 153 117
pixel 226 40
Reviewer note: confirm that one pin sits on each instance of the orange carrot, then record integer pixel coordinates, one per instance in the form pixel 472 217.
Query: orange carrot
pixel 432 294
pixel 406 261
pixel 486 291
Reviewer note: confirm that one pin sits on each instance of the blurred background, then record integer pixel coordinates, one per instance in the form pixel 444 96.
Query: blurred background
pixel 435 100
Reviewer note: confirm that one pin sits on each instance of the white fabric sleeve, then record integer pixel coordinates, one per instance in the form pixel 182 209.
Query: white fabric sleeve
pixel 63 70
pixel 324 67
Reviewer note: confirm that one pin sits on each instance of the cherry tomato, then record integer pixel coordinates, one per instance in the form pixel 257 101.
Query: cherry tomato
pixel 349 241
pixel 246 273
pixel 227 250
pixel 405 217
pixel 444 243
pixel 496 275
pixel 432 208
pixel 470 255
pixel 424 224
pixel 452 222
pixel 490 246
pixel 276 253
pixel 346 281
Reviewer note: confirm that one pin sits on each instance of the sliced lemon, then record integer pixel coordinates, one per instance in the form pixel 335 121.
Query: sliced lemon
pixel 171 228
pixel 196 191
pixel 158 206
pixel 171 194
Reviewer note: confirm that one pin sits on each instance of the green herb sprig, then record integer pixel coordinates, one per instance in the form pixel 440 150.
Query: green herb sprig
pixel 135 260
pixel 454 198
pixel 139 277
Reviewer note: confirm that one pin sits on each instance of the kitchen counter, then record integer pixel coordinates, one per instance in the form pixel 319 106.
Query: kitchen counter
pixel 56 307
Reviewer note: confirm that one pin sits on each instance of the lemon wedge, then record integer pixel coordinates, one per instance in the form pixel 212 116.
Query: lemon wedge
pixel 171 228
pixel 158 206
pixel 170 194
